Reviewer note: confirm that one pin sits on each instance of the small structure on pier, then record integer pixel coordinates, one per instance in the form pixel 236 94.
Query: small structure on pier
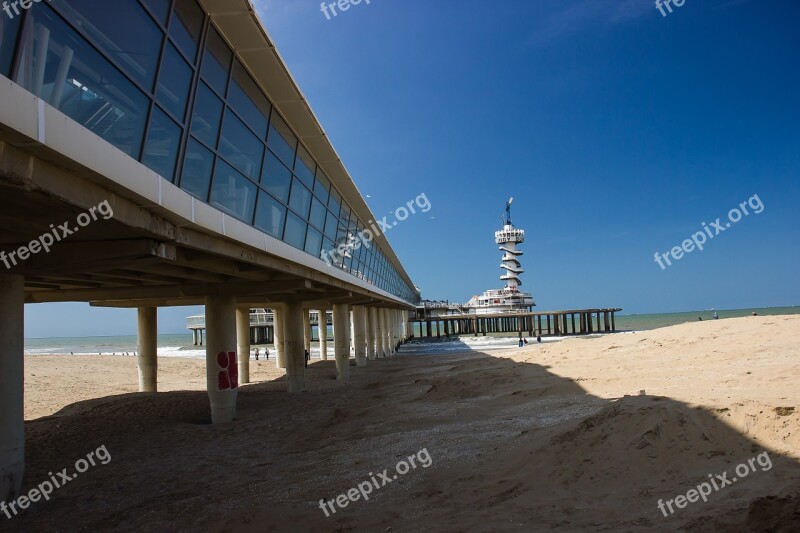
pixel 509 299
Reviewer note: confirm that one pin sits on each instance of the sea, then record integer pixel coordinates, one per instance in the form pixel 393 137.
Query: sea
pixel 180 344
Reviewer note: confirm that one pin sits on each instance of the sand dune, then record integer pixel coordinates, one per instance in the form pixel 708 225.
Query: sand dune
pixel 530 439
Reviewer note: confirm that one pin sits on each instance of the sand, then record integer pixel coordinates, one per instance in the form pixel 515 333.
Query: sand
pixel 546 437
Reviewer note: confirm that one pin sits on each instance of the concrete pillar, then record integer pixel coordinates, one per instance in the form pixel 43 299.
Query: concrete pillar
pixel 294 346
pixel 12 386
pixel 399 322
pixel 341 342
pixel 390 330
pixel 147 360
pixel 371 316
pixel 393 330
pixel 307 329
pixel 280 352
pixel 360 334
pixel 384 332
pixel 380 326
pixel 323 334
pixel 222 369
pixel 243 342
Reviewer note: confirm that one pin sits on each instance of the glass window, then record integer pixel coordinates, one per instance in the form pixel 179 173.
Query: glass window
pixel 216 62
pixel 341 233
pixel 233 193
pixel 313 242
pixel 344 214
pixel 327 245
pixel 174 81
pixel 159 8
pixel 240 147
pixel 322 186
pixel 295 231
pixel 207 116
pixel 300 199
pixel 281 140
pixel 276 177
pixel 9 29
pixel 185 27
pixel 304 166
pixel 318 214
pixel 248 100
pixel 197 167
pixel 161 146
pixel 270 215
pixel 335 202
pixel 79 82
pixel 134 46
pixel 331 223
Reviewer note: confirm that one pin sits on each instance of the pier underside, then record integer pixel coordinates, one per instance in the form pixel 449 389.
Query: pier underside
pixel 57 245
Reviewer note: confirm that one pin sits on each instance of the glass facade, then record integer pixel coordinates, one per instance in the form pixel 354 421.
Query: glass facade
pixel 166 89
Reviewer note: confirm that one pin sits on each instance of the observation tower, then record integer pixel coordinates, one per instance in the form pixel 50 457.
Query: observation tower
pixel 510 298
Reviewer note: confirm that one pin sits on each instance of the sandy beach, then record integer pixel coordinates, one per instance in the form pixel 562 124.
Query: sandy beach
pixel 546 437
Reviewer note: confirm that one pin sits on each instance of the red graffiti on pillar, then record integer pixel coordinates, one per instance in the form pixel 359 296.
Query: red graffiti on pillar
pixel 228 377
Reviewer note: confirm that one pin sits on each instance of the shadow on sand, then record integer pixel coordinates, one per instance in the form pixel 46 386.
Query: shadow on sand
pixel 514 448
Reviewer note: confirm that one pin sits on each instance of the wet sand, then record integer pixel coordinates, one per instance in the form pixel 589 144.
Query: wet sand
pixel 538 438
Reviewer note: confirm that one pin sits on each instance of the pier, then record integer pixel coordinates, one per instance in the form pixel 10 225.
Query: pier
pixel 126 190
pixel 535 323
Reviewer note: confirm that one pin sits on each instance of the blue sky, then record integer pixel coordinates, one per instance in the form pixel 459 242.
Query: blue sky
pixel 617 130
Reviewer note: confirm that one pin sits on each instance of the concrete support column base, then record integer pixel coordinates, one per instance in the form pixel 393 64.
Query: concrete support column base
pixel 222 368
pixel 280 354
pixel 341 341
pixel 294 326
pixel 323 334
pixel 147 360
pixel 360 334
pixel 243 342
pixel 372 318
pixel 12 386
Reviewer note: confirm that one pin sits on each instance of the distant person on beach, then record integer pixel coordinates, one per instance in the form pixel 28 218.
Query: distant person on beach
pixel 539 339
pixel 266 353
pixel 525 341
pixel 521 344
pixel 755 314
pixel 256 354
pixel 700 318
pixel 308 358
pixel 716 316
